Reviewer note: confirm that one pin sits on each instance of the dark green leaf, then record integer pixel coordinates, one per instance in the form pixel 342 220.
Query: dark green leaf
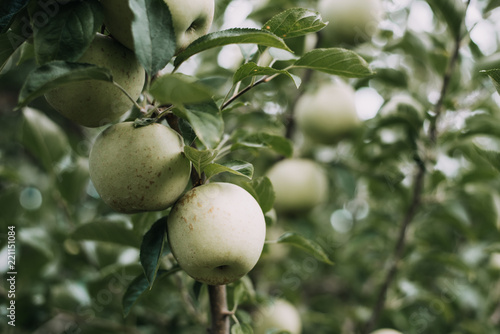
pixel 294 22
pixel 73 180
pixel 481 124
pixel 237 167
pixel 231 36
pixel 107 231
pixel 262 190
pixel 197 286
pixel 152 249
pixel 179 89
pixel 492 157
pixel 306 244
pixel 480 210
pixel 243 291
pixel 492 5
pixel 54 74
pixel 206 121
pixel 495 77
pixel 251 69
pixel 69 32
pixel 8 9
pixel 335 61
pixel 200 159
pixel 137 287
pixel 140 122
pixel 452 11
pixel 279 144
pixel 27 52
pixel 43 138
pixel 154 37
pixel 241 328
pixel 7 49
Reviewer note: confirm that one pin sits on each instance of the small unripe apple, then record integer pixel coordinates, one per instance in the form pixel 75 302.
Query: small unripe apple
pixel 139 169
pixel 350 21
pixel 94 103
pixel 280 315
pixel 386 331
pixel 190 19
pixel 216 232
pixel 299 185
pixel 327 114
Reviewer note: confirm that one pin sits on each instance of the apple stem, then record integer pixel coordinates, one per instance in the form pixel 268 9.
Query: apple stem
pixel 128 95
pixel 218 308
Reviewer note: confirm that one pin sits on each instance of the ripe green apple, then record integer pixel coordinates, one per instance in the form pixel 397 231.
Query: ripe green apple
pixel 386 331
pixel 94 103
pixel 350 21
pixel 139 169
pixel 216 232
pixel 280 315
pixel 327 114
pixel 299 185
pixel 190 19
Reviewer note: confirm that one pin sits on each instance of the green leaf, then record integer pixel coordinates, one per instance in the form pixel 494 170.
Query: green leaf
pixel 492 5
pixel 200 159
pixel 69 32
pixel 179 89
pixel 481 124
pixel 307 245
pixel 336 61
pixel 231 36
pixel 494 74
pixel 137 288
pixel 243 291
pixel 107 231
pixel 492 157
pixel 140 122
pixel 9 9
pixel 43 138
pixel 73 179
pixel 54 74
pixel 480 209
pixel 197 286
pixel 7 49
pixel 237 167
pixel 262 190
pixel 452 11
pixel 206 121
pixel 152 249
pixel 241 328
pixel 153 32
pixel 294 22
pixel 245 139
pixel 252 69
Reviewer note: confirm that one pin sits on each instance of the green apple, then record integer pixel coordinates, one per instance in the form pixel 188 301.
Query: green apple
pixel 327 114
pixel 190 19
pixel 139 169
pixel 216 232
pixel 386 331
pixel 94 103
pixel 350 21
pixel 280 315
pixel 299 185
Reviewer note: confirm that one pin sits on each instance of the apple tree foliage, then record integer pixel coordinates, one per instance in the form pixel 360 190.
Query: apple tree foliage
pixel 408 239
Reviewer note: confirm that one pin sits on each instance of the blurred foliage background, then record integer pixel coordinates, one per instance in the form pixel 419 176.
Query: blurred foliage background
pixel 76 257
